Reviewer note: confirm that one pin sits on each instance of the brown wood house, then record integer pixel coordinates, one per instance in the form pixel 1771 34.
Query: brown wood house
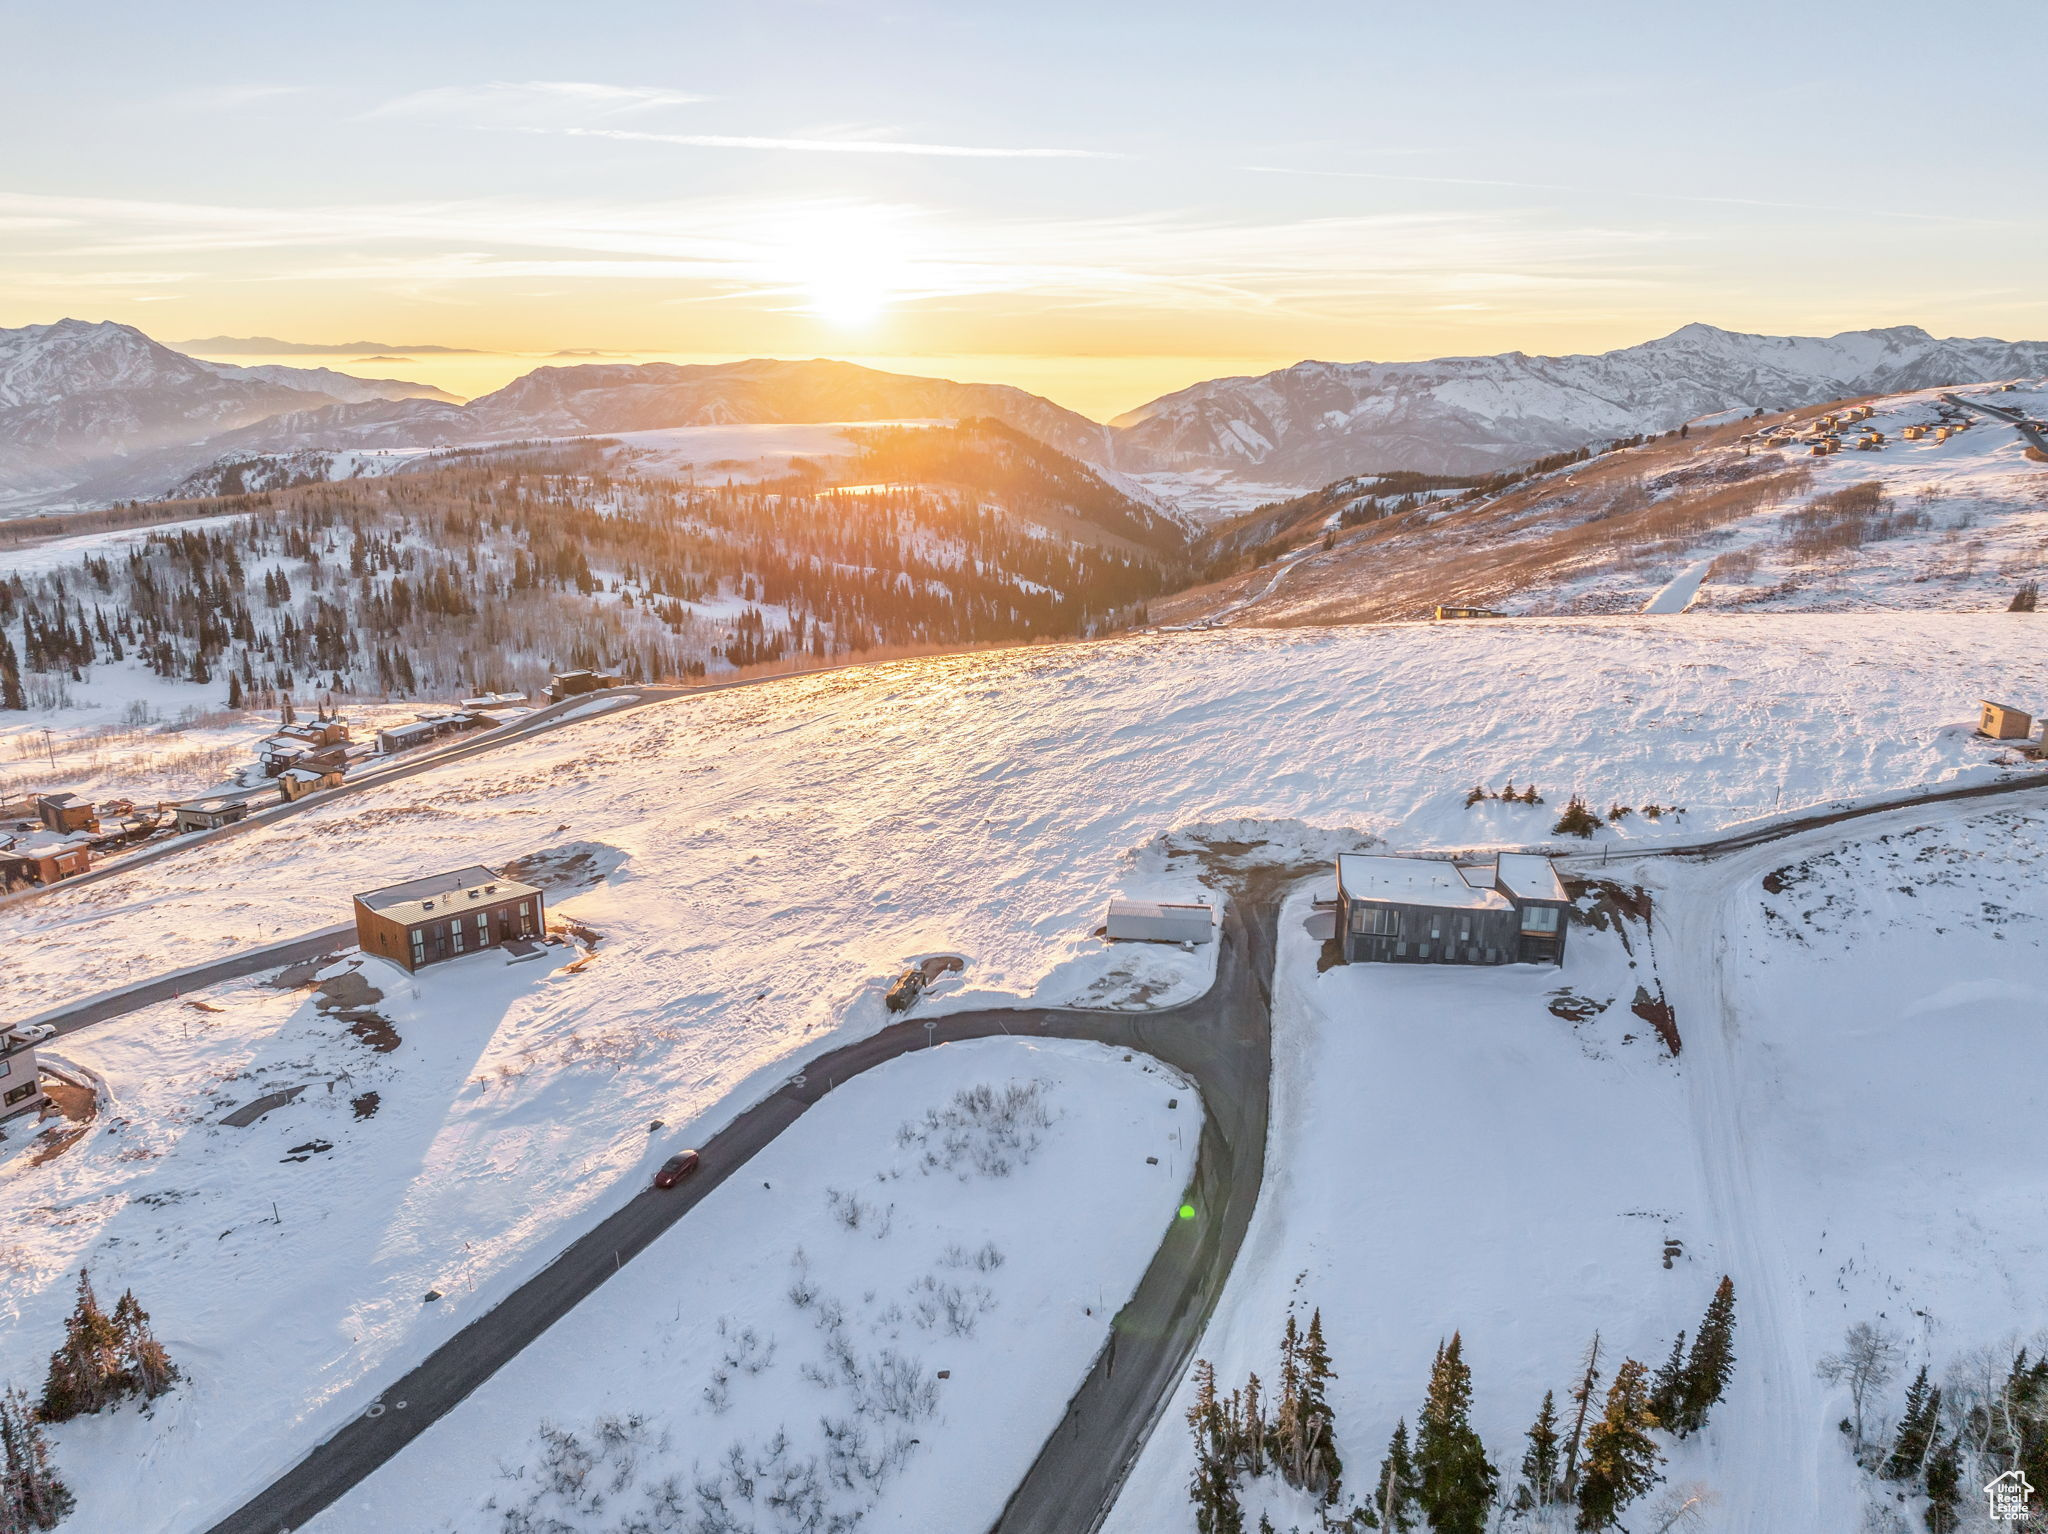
pixel 444 916
pixel 2001 721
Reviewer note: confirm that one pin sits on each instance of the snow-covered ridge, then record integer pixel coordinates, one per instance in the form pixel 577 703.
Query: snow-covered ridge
pixel 1318 421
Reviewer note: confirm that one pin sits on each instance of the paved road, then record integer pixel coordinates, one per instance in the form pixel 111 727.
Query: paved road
pixel 1222 1042
pixel 552 716
pixel 2034 435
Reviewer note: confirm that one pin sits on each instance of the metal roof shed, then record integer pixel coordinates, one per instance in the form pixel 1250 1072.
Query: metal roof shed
pixel 1160 921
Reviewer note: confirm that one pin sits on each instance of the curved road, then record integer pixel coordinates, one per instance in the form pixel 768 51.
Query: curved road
pixel 2028 429
pixel 1221 1042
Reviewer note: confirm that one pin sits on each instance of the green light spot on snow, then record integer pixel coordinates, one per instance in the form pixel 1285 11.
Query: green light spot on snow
pixel 1187 1211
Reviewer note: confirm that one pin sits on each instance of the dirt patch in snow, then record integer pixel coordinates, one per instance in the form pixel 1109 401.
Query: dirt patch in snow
pixel 568 869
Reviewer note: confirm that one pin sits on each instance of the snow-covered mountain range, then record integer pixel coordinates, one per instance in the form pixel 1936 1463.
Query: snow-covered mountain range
pixel 99 411
pixel 1319 421
pixel 78 398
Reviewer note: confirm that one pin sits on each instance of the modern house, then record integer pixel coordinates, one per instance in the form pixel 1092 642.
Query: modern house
pixel 21 1087
pixel 208 814
pixel 443 916
pixel 65 813
pixel 1160 921
pixel 2001 721
pixel 42 858
pixel 572 684
pixel 1448 614
pixel 1407 910
pixel 295 783
pixel 421 732
pixel 316 742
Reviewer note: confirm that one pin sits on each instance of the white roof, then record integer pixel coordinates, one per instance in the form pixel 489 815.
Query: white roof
pixel 1413 881
pixel 440 895
pixel 1530 876
pixel 1160 908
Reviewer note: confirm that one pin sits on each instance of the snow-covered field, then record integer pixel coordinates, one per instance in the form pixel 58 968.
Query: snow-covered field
pixel 1849 1132
pixel 818 1296
pixel 783 850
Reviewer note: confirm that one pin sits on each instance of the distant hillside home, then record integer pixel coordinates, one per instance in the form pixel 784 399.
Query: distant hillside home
pixel 65 813
pixel 1410 910
pixel 294 783
pixel 2001 721
pixel 572 684
pixel 1446 614
pixel 21 1086
pixel 42 858
pixel 443 916
pixel 208 814
pixel 421 732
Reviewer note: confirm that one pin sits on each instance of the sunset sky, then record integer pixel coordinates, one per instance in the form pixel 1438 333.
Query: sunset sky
pixel 1099 202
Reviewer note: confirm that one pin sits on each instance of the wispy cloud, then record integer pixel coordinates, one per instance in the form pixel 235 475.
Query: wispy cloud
pixel 1642 193
pixel 839 145
pixel 780 253
pixel 516 102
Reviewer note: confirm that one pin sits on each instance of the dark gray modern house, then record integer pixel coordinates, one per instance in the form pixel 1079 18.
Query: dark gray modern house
pixel 1409 910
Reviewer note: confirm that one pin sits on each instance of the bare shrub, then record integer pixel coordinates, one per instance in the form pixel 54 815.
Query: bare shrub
pixel 985 1130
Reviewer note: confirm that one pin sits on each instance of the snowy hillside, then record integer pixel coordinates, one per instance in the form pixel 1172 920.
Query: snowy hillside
pixel 1319 421
pixel 345 387
pixel 775 856
pixel 1745 514
pixel 1845 1132
pixel 77 399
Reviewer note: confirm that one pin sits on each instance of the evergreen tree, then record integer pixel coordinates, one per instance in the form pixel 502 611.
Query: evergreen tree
pixel 146 1369
pixel 11 695
pixel 1578 819
pixel 1394 1500
pixel 1712 1362
pixel 1213 1487
pixel 86 1371
pixel 31 1494
pixel 1622 1459
pixel 1542 1462
pixel 1944 1486
pixel 1322 1469
pixel 1457 1480
pixel 234 690
pixel 1477 796
pixel 1582 1404
pixel 1286 1435
pixel 1667 1390
pixel 1916 1430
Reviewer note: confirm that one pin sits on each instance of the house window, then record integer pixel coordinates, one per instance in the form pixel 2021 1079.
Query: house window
pixel 1422 950
pixel 1464 929
pixel 455 935
pixel 419 946
pixel 1375 919
pixel 1400 950
pixel 1540 919
pixel 526 918
pixel 16 1094
pixel 483 929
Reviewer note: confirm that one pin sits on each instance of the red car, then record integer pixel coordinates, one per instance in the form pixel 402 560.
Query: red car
pixel 675 1169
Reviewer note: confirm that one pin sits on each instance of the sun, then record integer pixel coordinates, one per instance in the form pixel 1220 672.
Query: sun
pixel 849 266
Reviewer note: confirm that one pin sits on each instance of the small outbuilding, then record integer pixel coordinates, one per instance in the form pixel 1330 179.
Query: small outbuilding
pixel 2001 721
pixel 1446 614
pixel 1160 921
pixel 444 916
